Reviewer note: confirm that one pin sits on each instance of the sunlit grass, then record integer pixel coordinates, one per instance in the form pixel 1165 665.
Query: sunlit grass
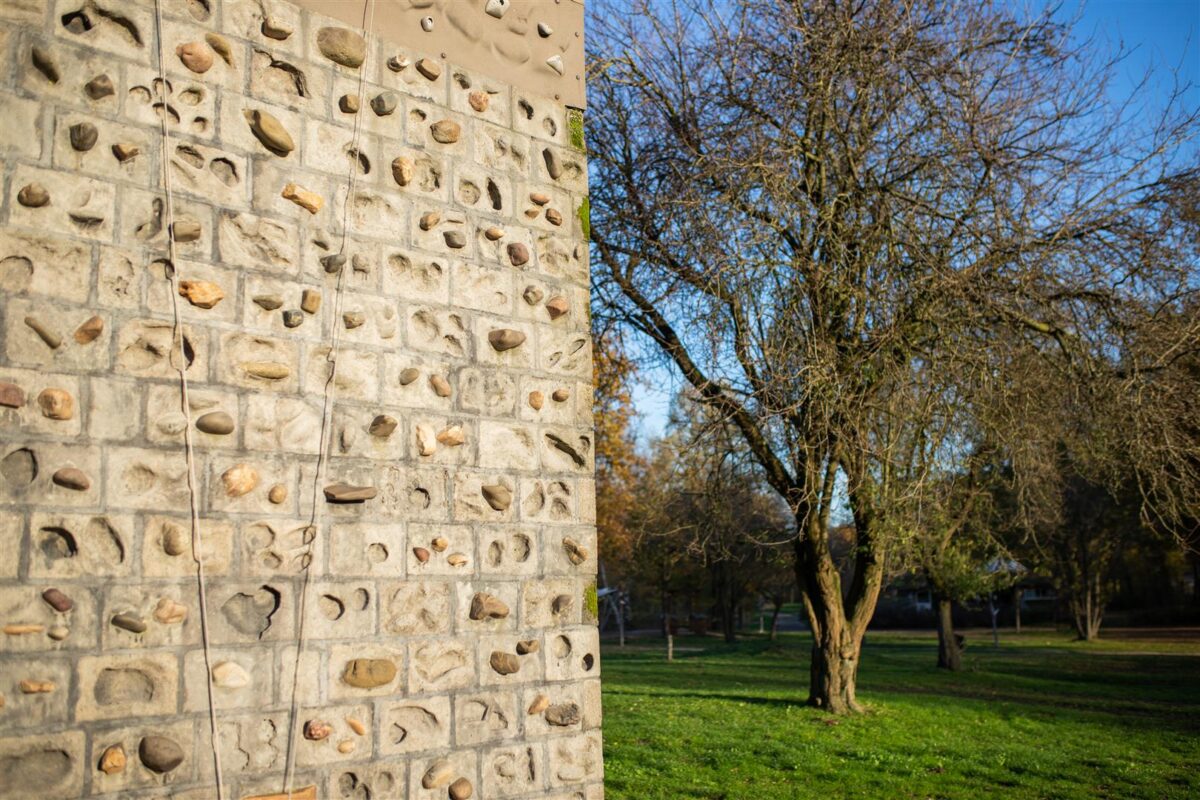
pixel 1041 716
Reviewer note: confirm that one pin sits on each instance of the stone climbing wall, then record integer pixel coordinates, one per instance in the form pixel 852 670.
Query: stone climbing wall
pixel 449 640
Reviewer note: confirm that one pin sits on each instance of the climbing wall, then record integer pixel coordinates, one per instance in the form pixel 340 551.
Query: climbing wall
pixel 377 264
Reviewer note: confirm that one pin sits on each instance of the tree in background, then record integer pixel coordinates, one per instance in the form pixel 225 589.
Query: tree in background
pixel 818 211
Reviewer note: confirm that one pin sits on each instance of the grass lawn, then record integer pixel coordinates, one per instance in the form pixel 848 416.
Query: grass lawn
pixel 1040 717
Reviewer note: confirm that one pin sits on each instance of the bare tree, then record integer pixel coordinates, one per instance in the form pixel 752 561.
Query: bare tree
pixel 818 211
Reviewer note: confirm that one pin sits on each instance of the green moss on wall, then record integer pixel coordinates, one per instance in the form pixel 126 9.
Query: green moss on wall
pixel 575 128
pixel 591 602
pixel 585 218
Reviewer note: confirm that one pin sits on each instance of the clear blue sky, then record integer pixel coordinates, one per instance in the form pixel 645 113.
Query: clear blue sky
pixel 1162 33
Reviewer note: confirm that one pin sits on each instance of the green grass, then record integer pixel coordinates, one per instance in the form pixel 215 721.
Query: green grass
pixel 1040 717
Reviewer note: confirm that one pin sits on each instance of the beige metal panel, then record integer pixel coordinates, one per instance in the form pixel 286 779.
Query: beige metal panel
pixel 500 38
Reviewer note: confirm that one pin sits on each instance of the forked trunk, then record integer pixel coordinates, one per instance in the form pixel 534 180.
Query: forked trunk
pixel 949 651
pixel 775 621
pixel 834 675
pixel 1087 611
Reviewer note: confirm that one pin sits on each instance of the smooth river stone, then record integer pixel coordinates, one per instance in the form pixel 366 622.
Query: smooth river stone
pixel 497 495
pixel 346 493
pixel 160 754
pixel 270 132
pixel 504 663
pixel 72 478
pixel 342 46
pixel 369 673
pixel 57 600
pixel 503 339
pixel 218 423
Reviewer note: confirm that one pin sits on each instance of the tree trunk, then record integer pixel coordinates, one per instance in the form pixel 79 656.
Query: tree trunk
pixel 1087 611
pixel 775 621
pixel 949 653
pixel 1017 595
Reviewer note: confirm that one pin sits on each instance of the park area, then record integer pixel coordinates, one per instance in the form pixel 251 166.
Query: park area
pixel 1042 716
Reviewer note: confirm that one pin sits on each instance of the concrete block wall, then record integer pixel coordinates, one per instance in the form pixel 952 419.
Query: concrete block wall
pixel 449 639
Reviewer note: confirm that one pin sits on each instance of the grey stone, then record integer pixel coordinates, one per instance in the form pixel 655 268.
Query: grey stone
pixel 342 46
pixel 384 103
pixel 83 136
pixel 218 423
pixel 99 87
pixel 160 754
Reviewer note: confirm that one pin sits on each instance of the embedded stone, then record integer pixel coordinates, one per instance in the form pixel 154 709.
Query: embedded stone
pixel 369 673
pixel 44 63
pixel 356 726
pixel 518 253
pixel 218 423
pixel 353 319
pixel 345 746
pixel 494 233
pixel 315 730
pixel 426 443
pixel 441 386
pixel 496 8
pixel 455 239
pixel 274 29
pixel 309 201
pixel 220 46
pixel 99 87
pixel 560 395
pixel 185 230
pixel 267 370
pixel 456 559
pixel 397 63
pixel 539 704
pixel 239 480
pixel 528 646
pixel 56 404
pixel 160 754
pixel 440 544
pixel 537 400
pixel 268 302
pixel 382 426
pixel 56 599
pixel 11 395
pixel 270 132
pixel 175 540
pixel 30 686
pixel 72 478
pixel 169 612
pixel 230 675
pixel 544 30
pixel 539 198
pixel 125 151
pixel 310 301
pixel 333 263
pixel 112 760
pixel 563 715
pixel 497 495
pixel 402 170
pixel 561 604
pixel 421 553
pixel 384 103
pixel 33 195
pixel 129 622
pixel 452 436
pixel 461 789
pixel 553 165
pixel 348 103
pixel 196 56
pixel 46 334
pixel 486 606
pixel 479 101
pixel 439 774
pixel 555 62
pixel 59 632
pixel 408 375
pixel 202 294
pixel 89 330
pixel 503 339
pixel 576 553
pixel 429 220
pixel 554 216
pixel 278 494
pixel 346 493
pixel 504 663
pixel 445 131
pixel 342 46
pixel 430 69
pixel 533 295
pixel 22 629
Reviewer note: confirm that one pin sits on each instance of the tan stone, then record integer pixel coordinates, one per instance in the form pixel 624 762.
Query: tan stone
pixel 441 386
pixel 369 673
pixel 310 301
pixel 196 56
pixel 560 395
pixel 270 132
pixel 430 69
pixel 539 704
pixel 56 404
pixel 504 663
pixel 278 494
pixel 309 201
pixel 537 400
pixel 239 480
pixel 202 294
pixel 89 330
pixel 557 306
pixel 497 495
pixel 402 170
pixel 113 759
pixel 220 46
pixel 342 46
pixel 576 553
pixel 44 332
pixel 445 131
pixel 486 606
pixel 169 612
pixel 494 233
pixel 439 774
pixel 72 478
pixel 452 436
pixel 426 443
pixel 33 195
pixel 461 789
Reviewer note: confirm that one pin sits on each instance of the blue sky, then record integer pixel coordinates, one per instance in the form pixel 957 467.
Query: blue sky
pixel 1163 35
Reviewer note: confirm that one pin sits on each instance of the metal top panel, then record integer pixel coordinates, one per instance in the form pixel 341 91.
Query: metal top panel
pixel 535 45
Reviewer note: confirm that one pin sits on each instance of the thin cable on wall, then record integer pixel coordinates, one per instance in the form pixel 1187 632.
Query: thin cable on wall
pixel 330 388
pixel 177 352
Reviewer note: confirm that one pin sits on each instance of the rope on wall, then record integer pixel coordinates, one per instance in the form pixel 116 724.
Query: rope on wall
pixel 326 442
pixel 177 352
